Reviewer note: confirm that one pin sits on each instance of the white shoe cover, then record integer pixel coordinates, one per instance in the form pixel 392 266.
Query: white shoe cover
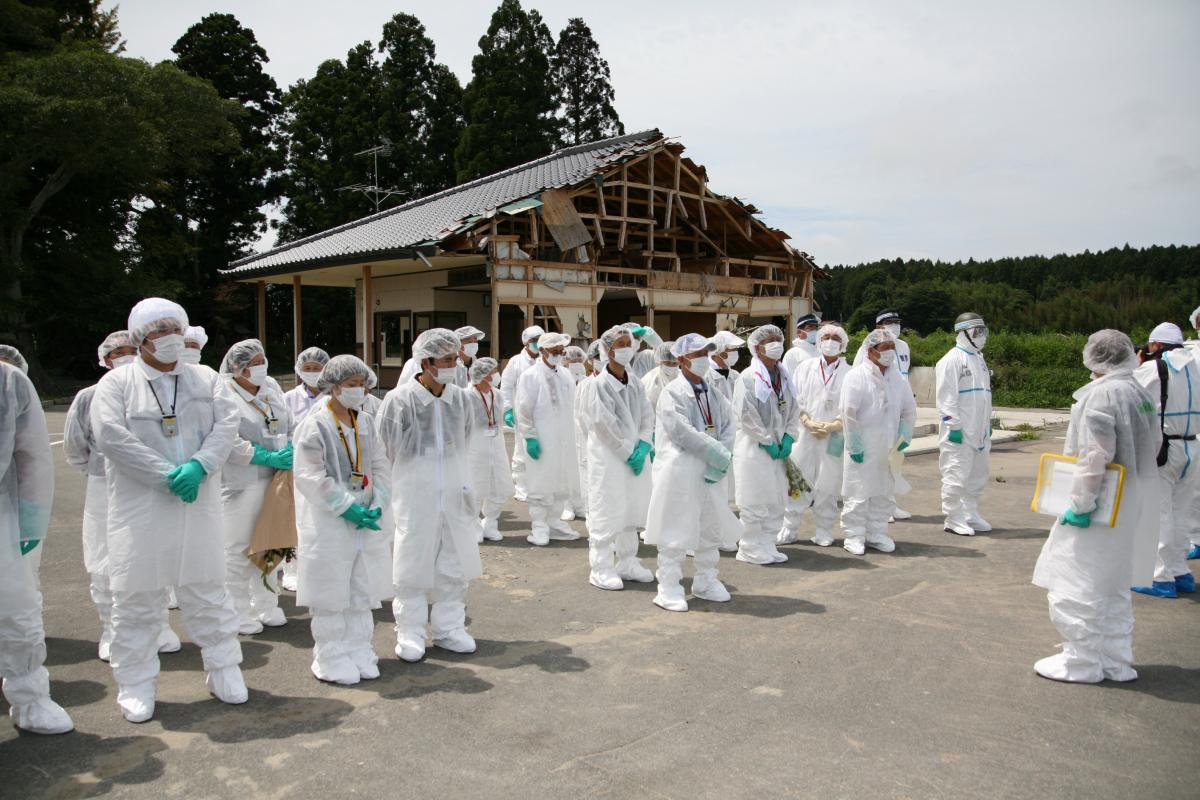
pixel 249 627
pixel 822 539
pixel 539 537
pixel 490 530
pixel 567 515
pixel 1056 669
pixel 881 542
pixel 340 670
pixel 787 536
pixel 671 600
pixel 778 557
pixel 562 532
pixel 136 702
pixel 633 570
pixel 172 600
pixel 855 546
pixel 978 523
pixel 273 618
pixel 226 685
pixel 168 640
pixel 42 716
pixel 900 513
pixel 714 592
pixel 289 582
pixel 606 579
pixel 727 548
pixel 410 647
pixel 104 648
pixel 458 641
pixel 959 526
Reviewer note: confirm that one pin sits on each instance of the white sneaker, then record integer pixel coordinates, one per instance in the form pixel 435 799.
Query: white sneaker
pixel 606 579
pixel 634 571
pixel 42 716
pixel 136 702
pixel 978 523
pixel 273 618
pixel 900 513
pixel 822 539
pixel 881 542
pixel 714 592
pixel 959 527
pixel 458 641
pixel 671 601
pixel 855 546
pixel 226 684
pixel 410 648
pixel 168 640
pixel 539 537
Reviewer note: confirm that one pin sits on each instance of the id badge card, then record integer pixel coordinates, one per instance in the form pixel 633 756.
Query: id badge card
pixel 711 430
pixel 783 406
pixel 273 426
pixel 358 481
pixel 492 430
pixel 170 425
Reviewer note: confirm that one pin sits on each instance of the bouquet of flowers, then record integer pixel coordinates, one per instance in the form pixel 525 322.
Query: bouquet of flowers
pixel 274 537
pixel 797 486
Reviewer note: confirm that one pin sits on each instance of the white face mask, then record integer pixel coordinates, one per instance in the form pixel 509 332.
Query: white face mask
pixel 258 374
pixel 577 370
pixel 445 375
pixel 121 361
pixel 597 366
pixel 980 340
pixel 893 329
pixel 731 358
pixel 554 359
pixel 830 347
pixel 167 349
pixel 352 396
pixel 189 355
pixel 309 378
pixel 774 350
pixel 623 355
pixel 471 349
pixel 700 366
pixel 669 372
pixel 887 358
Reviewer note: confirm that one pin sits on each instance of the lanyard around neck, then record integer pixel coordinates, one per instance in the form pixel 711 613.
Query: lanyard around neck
pixel 356 459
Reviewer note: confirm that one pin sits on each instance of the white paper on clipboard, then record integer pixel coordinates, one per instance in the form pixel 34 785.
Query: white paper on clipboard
pixel 1052 496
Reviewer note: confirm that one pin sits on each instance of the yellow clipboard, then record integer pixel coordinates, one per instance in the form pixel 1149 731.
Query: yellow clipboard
pixel 1052 495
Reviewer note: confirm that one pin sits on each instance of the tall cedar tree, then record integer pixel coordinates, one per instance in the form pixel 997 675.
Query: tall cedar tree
pixel 512 99
pixel 585 82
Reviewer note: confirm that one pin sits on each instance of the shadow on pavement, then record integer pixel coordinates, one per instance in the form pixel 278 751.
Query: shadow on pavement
pixel 547 656
pixel 254 655
pixel 1018 533
pixel 83 764
pixel 264 716
pixel 765 606
pixel 71 694
pixel 61 652
pixel 812 558
pixel 399 680
pixel 920 550
pixel 1166 682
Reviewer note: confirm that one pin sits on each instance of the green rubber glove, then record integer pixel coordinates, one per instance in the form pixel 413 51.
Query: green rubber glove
pixel 1078 520
pixel 510 419
pixel 773 450
pixel 28 546
pixel 637 459
pixel 706 480
pixel 857 458
pixel 534 448
pixel 185 480
pixel 639 331
pixel 362 517
pixel 955 436
pixel 276 459
pixel 902 446
pixel 786 445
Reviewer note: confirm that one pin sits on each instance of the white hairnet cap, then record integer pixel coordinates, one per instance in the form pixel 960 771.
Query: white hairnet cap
pixel 836 330
pixel 312 354
pixel 1108 351
pixel 764 332
pixel 1167 333
pixel 467 331
pixel 197 334
pixel 611 335
pixel 341 369
pixel 727 340
pixel 155 314
pixel 112 342
pixel 593 351
pixel 1195 318
pixel 664 352
pixel 574 353
pixel 481 368
pixel 877 337
pixel 436 343
pixel 13 355
pixel 691 342
pixel 530 333
pixel 552 339
pixel 240 356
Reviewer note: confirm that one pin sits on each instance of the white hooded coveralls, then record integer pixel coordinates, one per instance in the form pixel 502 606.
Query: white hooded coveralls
pixel 510 378
pixel 818 394
pixel 488 465
pixel 545 410
pixel 964 401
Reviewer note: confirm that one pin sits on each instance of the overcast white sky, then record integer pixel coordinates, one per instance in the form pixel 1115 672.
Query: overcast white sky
pixel 864 129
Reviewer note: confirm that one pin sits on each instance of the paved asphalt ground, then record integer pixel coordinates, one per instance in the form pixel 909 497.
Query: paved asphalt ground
pixel 901 675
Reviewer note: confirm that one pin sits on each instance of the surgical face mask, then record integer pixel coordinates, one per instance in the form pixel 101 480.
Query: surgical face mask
pixel 258 374
pixel 774 350
pixel 352 396
pixel 893 329
pixel 189 355
pixel 577 370
pixel 445 375
pixel 700 366
pixel 979 340
pixel 471 349
pixel 121 361
pixel 597 366
pixel 669 372
pixel 731 358
pixel 532 346
pixel 830 347
pixel 623 355
pixel 554 359
pixel 887 358
pixel 309 378
pixel 167 349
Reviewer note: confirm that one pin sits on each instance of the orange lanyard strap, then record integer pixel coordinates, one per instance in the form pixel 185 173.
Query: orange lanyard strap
pixel 268 414
pixel 355 459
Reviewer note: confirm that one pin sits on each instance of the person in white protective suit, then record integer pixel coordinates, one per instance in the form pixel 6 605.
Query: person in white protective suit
pixel 263 446
pixel 689 508
pixel 303 397
pixel 81 452
pixel 164 428
pixel 667 370
pixel 12 356
pixel 1173 372
pixel 491 481
pixel 722 378
pixel 619 424
pixel 468 337
pixel 768 421
pixel 594 361
pixel 878 412
pixel 889 320
pixel 573 359
pixel 644 342
pixel 1194 530
pixel 545 417
pixel 818 451
pixel 804 346
pixel 964 402
pixel 509 378
pixel 427 425
pixel 194 340
pixel 1087 568
pixel 342 480
pixel 26 495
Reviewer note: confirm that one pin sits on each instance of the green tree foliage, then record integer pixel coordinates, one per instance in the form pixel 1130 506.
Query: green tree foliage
pixel 512 101
pixel 584 80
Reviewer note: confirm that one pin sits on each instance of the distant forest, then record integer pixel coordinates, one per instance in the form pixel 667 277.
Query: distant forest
pixel 1124 288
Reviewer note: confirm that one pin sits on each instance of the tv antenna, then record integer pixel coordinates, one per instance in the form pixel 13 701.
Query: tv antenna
pixel 373 190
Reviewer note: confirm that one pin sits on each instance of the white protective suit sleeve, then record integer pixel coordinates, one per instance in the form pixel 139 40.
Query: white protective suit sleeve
pixel 524 401
pixel 750 422
pixel 673 419
pixel 25 458
pixel 604 422
pixel 310 472
pixel 77 431
pixel 510 377
pixel 947 392
pixel 851 404
pixel 1090 467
